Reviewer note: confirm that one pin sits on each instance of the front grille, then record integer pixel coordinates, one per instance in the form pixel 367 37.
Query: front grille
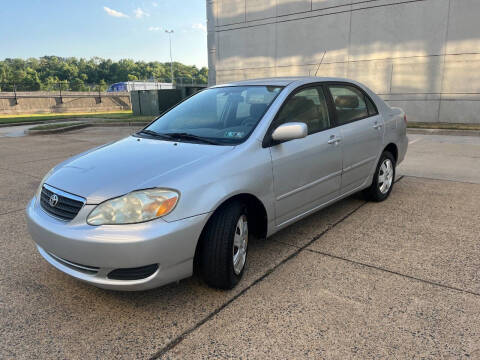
pixel 67 206
pixel 133 273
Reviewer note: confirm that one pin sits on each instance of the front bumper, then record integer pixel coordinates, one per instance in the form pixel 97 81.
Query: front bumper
pixel 75 247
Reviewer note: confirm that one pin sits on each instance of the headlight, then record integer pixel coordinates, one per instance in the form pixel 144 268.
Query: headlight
pixel 135 207
pixel 39 189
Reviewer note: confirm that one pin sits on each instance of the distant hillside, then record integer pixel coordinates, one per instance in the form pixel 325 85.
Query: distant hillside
pixel 46 73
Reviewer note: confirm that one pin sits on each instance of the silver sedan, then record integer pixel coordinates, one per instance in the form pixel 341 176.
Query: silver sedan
pixel 188 192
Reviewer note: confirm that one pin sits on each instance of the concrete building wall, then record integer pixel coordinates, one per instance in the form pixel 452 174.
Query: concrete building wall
pixel 51 102
pixel 421 55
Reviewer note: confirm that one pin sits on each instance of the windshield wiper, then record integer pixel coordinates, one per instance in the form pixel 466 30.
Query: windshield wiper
pixel 154 134
pixel 187 136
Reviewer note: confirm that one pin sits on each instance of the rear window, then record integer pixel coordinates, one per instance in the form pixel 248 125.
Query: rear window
pixel 349 103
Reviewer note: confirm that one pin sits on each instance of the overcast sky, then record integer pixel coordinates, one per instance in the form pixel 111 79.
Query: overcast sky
pixel 113 29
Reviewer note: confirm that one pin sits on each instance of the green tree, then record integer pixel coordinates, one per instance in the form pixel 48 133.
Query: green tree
pixel 102 85
pixel 52 73
pixel 77 85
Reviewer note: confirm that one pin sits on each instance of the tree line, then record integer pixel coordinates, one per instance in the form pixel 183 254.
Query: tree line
pixel 53 73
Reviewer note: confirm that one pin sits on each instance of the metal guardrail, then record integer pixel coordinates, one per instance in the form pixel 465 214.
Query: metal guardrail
pixel 62 86
pixel 64 89
pixel 59 95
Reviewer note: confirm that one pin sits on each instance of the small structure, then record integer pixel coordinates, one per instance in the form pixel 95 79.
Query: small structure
pixel 139 85
pixel 156 102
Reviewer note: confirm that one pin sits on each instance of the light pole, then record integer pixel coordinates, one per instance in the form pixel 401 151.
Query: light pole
pixel 170 32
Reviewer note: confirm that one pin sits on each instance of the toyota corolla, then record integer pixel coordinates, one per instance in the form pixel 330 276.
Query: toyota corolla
pixel 190 190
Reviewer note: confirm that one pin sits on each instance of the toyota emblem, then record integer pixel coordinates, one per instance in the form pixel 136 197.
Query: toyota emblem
pixel 53 201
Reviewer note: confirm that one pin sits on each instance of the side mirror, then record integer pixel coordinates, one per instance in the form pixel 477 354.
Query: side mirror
pixel 290 131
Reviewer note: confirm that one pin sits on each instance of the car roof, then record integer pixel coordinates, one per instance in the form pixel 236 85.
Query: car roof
pixel 282 81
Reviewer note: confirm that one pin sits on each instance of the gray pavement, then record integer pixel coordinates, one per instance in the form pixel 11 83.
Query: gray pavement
pixel 360 280
pixel 444 157
pixel 15 131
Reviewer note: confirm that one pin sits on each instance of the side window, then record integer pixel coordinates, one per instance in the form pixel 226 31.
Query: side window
pixel 349 103
pixel 308 106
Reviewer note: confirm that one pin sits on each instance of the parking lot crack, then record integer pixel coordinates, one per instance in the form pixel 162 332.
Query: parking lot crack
pixel 440 179
pixel 434 283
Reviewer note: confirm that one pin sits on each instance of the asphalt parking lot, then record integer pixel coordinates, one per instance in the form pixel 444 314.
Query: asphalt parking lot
pixel 398 279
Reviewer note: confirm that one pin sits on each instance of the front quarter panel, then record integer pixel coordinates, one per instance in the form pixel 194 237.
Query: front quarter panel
pixel 204 187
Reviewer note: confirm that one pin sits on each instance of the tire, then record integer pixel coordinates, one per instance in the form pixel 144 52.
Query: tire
pixel 225 236
pixel 380 190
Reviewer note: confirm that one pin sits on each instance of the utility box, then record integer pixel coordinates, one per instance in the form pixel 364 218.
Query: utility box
pixel 155 102
pixel 144 102
pixel 168 98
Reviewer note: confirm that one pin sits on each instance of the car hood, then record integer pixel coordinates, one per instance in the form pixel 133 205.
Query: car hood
pixel 126 165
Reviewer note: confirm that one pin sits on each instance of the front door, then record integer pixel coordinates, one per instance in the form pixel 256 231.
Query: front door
pixel 306 172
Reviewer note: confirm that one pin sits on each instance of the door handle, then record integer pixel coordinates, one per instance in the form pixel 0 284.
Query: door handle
pixel 334 140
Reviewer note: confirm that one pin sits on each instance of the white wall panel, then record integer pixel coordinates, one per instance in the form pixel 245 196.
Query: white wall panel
pixel 261 9
pixel 230 12
pixel 304 41
pixel 285 7
pixel 246 48
pixel 402 30
pixel 464 27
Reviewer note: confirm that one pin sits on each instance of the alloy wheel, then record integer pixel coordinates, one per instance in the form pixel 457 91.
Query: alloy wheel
pixel 385 176
pixel 240 243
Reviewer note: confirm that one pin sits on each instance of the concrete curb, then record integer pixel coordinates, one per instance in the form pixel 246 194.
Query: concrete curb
pixel 49 121
pixel 443 132
pixel 81 126
pixel 39 122
pixel 55 131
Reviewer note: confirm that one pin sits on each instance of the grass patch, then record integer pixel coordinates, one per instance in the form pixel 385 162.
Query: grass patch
pixel 54 126
pixel 445 126
pixel 120 115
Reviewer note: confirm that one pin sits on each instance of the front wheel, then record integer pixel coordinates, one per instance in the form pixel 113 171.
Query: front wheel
pixel 224 247
pixel 383 178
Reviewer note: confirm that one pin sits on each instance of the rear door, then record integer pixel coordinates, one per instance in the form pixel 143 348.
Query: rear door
pixel 361 130
pixel 306 172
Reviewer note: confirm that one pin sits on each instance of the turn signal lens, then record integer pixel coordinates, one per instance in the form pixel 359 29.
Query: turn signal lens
pixel 166 206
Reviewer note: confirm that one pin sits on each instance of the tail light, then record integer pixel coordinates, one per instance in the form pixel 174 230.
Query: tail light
pixel 405 118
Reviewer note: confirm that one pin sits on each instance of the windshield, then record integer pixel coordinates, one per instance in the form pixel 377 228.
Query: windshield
pixel 226 115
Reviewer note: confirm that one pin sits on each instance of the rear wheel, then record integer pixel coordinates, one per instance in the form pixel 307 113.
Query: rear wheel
pixel 224 247
pixel 383 178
